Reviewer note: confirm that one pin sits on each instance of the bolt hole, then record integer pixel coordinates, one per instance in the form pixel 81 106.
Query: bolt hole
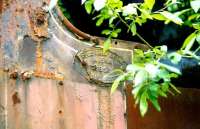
pixel 116 42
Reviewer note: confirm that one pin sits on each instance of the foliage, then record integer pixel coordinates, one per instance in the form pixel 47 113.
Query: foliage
pixel 150 77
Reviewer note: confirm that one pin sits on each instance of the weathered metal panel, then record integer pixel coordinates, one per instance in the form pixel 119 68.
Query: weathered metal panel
pixel 178 112
pixel 43 103
pixel 42 100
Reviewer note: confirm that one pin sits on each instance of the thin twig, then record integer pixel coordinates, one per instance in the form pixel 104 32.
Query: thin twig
pixel 137 34
pixel 197 50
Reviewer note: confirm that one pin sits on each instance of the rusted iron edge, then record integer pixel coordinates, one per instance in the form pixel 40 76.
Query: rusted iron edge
pixel 72 28
pixel 117 43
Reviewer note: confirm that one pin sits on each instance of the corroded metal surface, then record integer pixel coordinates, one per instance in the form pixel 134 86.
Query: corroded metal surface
pixel 35 51
pixel 178 112
pixel 28 101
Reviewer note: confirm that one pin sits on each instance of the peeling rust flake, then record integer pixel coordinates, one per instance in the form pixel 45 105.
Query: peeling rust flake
pixel 39 23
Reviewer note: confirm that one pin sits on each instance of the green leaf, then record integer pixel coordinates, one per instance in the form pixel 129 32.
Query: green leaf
pixel 133 28
pixel 152 70
pixel 110 77
pixel 136 90
pixel 130 9
pixel 196 26
pixel 118 30
pixel 198 37
pixel 140 77
pixel 106 45
pixel 172 17
pixel 164 87
pixel 155 103
pixel 195 4
pixel 159 17
pixel 153 88
pixel 83 1
pixel 170 68
pixel 182 12
pixel 133 68
pixel 145 14
pixel 178 91
pixel 117 82
pixel 99 21
pixel 111 20
pixel 143 103
pixel 174 57
pixel 115 33
pixel 88 6
pixel 140 21
pixel 149 3
pixel 162 93
pixel 164 48
pixel 189 41
pixel 106 32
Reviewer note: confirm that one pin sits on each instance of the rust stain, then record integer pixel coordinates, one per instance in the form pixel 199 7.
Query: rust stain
pixel 16 99
pixel 1 6
pixel 104 111
pixel 38 57
pixel 39 62
pixel 48 75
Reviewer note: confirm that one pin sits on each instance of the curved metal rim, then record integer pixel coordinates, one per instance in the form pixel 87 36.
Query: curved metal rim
pixel 130 45
pixel 74 29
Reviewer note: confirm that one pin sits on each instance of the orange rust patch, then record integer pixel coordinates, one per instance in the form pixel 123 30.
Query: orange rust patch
pixel 48 75
pixel 39 62
pixel 39 23
pixel 38 57
pixel 15 98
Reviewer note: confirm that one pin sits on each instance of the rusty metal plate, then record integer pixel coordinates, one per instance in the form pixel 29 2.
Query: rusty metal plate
pixel 93 64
